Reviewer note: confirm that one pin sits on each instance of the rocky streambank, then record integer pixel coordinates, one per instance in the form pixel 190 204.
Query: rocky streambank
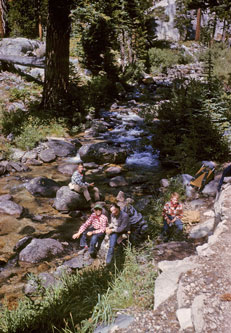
pixel 191 295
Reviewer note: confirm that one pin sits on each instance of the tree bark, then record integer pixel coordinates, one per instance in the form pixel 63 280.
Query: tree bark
pixel 57 54
pixel 198 27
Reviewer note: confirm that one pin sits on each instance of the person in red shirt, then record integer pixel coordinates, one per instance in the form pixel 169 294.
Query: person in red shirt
pixel 173 213
pixel 94 227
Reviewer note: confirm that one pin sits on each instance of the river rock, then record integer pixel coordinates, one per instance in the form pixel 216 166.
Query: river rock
pixel 5 197
pixel 62 148
pixel 118 181
pixel 23 242
pixel 17 154
pixel 67 200
pixel 42 186
pixel 113 170
pixel 29 155
pixel 2 169
pixel 79 262
pixel 67 169
pixel 41 249
pixel 47 155
pixel 102 153
pixel 11 208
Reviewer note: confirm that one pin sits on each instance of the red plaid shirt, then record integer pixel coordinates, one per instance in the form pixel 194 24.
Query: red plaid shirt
pixel 97 222
pixel 173 209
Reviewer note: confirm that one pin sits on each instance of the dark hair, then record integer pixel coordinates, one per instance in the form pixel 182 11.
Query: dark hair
pixel 115 205
pixel 80 163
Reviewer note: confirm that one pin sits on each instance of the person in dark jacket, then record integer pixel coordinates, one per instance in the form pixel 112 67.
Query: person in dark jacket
pixel 119 223
pixel 226 173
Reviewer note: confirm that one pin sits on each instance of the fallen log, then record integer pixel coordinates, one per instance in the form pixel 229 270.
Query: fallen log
pixel 24 61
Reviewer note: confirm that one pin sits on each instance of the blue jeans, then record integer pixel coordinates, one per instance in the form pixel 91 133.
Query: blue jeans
pixel 112 243
pixel 225 173
pixel 95 239
pixel 178 223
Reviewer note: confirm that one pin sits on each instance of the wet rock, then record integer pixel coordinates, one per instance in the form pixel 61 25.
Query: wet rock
pixel 102 153
pixel 11 208
pixel 5 197
pixel 28 230
pixel 75 213
pixel 67 200
pixel 118 181
pixel 78 262
pixel 22 243
pixel 16 166
pixel 112 171
pixel 33 162
pixel 76 142
pixel 41 249
pixel 29 155
pixel 62 148
pixel 67 169
pixel 91 165
pixel 2 169
pixel 47 155
pixel 42 186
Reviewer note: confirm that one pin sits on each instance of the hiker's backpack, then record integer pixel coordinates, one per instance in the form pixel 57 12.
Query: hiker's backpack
pixel 202 177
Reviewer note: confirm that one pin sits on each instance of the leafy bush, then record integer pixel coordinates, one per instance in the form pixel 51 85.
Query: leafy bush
pixel 29 128
pixel 187 132
pixel 161 59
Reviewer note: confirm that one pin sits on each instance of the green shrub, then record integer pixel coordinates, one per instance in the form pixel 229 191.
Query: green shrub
pixel 161 59
pixel 187 132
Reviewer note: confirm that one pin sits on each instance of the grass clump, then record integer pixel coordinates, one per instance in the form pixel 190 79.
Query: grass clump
pixel 85 299
pixel 161 59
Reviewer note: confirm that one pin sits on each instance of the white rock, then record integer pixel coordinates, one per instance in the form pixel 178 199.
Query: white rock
pixel 202 229
pixel 184 317
pixel 197 313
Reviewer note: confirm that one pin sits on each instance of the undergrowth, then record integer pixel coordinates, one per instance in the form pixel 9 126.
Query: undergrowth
pixel 85 299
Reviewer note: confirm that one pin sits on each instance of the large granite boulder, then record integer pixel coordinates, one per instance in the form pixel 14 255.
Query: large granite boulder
pixel 47 155
pixel 18 46
pixel 67 169
pixel 41 249
pixel 102 153
pixel 42 186
pixel 62 148
pixel 68 200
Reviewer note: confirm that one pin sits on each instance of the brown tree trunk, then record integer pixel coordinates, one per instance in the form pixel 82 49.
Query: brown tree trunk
pixel 57 54
pixel 40 28
pixel 198 27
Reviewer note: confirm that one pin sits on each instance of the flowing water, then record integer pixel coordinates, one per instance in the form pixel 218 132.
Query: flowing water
pixel 126 130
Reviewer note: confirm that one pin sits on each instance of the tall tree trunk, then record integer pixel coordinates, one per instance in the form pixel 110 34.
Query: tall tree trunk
pixel 40 29
pixel 57 54
pixel 3 10
pixel 198 27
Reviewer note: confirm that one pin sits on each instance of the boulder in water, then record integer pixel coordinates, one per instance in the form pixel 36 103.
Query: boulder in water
pixel 68 200
pixel 102 153
pixel 41 249
pixel 42 186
